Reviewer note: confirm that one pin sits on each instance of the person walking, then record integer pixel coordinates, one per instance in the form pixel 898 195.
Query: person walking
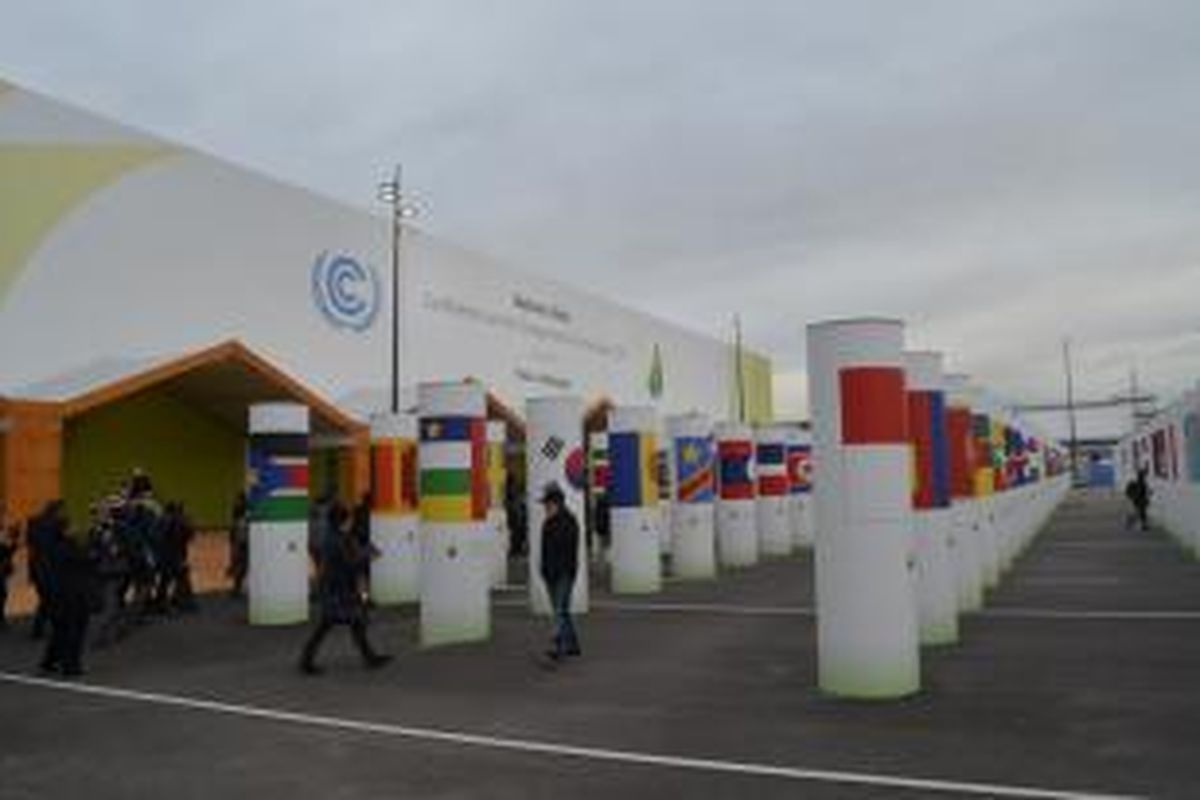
pixel 341 565
pixel 1138 491
pixel 560 560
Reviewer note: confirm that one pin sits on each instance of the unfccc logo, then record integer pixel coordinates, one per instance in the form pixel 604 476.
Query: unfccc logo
pixel 345 291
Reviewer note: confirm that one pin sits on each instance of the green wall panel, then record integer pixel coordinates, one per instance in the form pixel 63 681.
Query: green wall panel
pixel 190 455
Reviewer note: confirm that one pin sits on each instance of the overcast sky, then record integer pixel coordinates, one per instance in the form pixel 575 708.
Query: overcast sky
pixel 1000 174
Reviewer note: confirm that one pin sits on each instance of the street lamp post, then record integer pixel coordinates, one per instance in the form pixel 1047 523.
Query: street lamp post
pixel 391 192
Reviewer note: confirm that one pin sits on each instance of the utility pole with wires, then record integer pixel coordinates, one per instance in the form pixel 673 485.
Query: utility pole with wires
pixel 1071 409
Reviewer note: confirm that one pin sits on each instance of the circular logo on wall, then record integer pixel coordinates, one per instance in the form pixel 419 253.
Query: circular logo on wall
pixel 345 291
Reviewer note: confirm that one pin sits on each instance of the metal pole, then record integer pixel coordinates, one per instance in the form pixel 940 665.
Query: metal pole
pixel 741 377
pixel 396 229
pixel 1071 409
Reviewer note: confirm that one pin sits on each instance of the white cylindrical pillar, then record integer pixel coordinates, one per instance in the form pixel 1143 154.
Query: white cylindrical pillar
pixel 933 571
pixel 799 460
pixel 633 499
pixel 277 581
pixel 737 534
pixel 396 571
pixel 456 545
pixel 866 620
pixel 771 508
pixel 693 546
pixel 554 454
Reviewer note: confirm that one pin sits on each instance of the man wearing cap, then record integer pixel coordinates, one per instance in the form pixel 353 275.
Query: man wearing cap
pixel 560 559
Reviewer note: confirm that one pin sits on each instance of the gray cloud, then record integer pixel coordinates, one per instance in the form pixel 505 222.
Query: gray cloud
pixel 1000 175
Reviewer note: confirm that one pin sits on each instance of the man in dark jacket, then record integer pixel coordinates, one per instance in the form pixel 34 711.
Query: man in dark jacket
pixel 560 559
pixel 341 566
pixel 70 598
pixel 39 537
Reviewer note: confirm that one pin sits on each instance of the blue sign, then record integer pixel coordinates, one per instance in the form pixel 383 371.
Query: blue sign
pixel 345 291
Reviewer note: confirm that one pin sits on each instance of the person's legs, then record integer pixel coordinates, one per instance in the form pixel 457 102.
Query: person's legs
pixel 75 636
pixel 358 632
pixel 565 640
pixel 52 656
pixel 1141 511
pixel 309 654
pixel 41 615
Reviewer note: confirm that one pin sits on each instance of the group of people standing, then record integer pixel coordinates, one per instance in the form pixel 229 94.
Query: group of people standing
pixel 130 563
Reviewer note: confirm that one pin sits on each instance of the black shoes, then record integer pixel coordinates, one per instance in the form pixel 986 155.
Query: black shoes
pixel 307 668
pixel 377 660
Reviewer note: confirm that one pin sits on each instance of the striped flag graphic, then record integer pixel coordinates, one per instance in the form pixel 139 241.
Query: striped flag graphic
pixel 453 483
pixel 962 452
pixel 694 469
pixel 927 430
pixel 771 469
pixel 278 477
pixel 394 476
pixel 633 470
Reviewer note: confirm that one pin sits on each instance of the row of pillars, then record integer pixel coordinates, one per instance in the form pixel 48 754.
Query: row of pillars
pixel 736 494
pixel 922 495
pixel 925 493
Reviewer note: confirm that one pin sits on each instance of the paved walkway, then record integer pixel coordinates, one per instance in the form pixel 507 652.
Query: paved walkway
pixel 706 690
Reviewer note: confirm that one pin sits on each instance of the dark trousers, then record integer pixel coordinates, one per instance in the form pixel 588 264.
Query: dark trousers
pixel 41 614
pixel 358 632
pixel 566 642
pixel 1139 514
pixel 68 631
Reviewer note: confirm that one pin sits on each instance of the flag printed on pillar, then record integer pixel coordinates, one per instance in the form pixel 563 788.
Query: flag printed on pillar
pixel 694 469
pixel 799 468
pixel 598 464
pixel 633 470
pixel 394 476
pixel 873 407
pixel 454 486
pixel 278 477
pixel 999 457
pixel 981 433
pixel 961 452
pixel 496 474
pixel 736 471
pixel 771 469
pixel 927 433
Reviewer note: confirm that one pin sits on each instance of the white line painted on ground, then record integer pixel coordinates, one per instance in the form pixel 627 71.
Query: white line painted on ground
pixel 561 750
pixel 684 608
pixel 1115 615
